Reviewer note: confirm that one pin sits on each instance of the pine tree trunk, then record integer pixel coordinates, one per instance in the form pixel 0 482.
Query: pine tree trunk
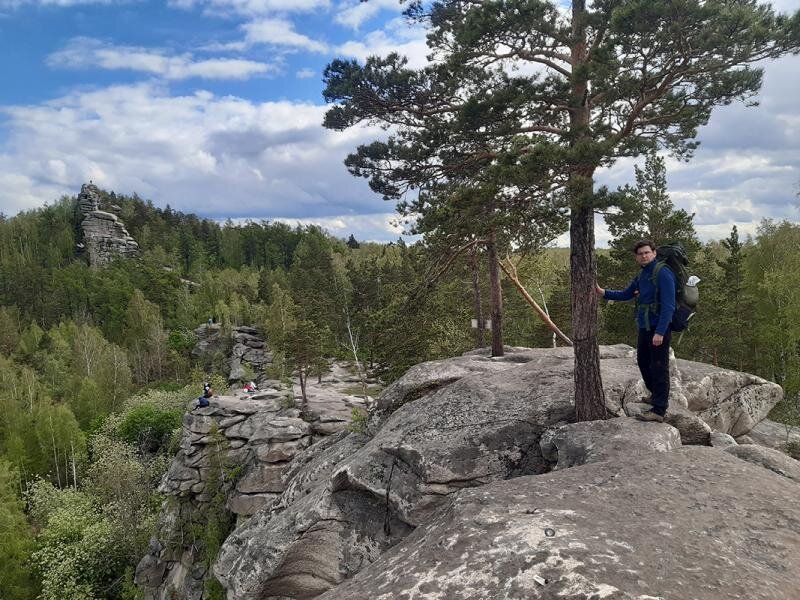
pixel 480 340
pixel 303 379
pixel 497 298
pixel 589 397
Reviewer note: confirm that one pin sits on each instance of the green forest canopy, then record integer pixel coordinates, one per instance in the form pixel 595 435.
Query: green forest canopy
pixel 95 365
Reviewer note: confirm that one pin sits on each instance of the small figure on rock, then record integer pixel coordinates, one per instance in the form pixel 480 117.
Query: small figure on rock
pixel 203 401
pixel 654 290
pixel 250 387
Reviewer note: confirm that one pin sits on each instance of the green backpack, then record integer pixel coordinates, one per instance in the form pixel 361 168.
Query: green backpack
pixel 686 293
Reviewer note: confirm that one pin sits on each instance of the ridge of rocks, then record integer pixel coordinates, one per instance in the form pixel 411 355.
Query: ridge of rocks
pixel 417 505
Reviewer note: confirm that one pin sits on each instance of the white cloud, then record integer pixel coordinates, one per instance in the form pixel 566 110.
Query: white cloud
pixel 252 7
pixel 306 73
pixel 397 36
pixel 84 53
pixel 13 4
pixel 279 32
pixel 217 156
pixel 366 228
pixel 354 13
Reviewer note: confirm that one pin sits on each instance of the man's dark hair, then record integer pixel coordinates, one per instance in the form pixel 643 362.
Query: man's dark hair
pixel 642 244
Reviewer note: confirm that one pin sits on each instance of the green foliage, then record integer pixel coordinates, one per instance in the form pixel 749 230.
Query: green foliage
pixel 149 426
pixel 78 552
pixel 16 539
pixel 358 420
pixel 213 589
pixel 305 351
pixel 9 329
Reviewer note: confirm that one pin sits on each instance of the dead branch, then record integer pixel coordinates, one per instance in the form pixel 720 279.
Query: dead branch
pixel 511 272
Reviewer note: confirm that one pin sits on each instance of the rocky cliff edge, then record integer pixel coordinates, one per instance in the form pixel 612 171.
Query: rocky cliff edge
pixel 470 480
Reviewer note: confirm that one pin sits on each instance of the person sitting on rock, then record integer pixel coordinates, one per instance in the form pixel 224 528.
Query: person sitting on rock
pixel 202 401
pixel 250 387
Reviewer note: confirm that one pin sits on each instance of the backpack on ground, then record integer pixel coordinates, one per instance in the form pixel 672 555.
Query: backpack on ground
pixel 686 293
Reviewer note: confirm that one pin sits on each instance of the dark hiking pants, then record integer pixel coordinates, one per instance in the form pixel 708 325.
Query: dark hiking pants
pixel 654 366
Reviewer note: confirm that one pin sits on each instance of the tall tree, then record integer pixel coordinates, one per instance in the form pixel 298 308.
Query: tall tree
pixel 16 539
pixel 551 96
pixel 736 305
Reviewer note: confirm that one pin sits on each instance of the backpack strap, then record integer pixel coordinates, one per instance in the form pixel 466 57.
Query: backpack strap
pixel 653 307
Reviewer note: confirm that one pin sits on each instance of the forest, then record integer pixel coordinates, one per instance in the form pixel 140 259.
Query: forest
pixel 96 367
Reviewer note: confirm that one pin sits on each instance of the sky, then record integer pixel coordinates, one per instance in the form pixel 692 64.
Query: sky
pixel 215 107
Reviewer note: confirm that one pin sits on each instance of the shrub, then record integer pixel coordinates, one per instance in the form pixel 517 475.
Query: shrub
pixel 149 426
pixel 792 449
pixel 358 421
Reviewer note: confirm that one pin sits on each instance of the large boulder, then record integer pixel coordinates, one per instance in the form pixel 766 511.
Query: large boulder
pixel 621 439
pixel 330 508
pixel 687 524
pixel 729 401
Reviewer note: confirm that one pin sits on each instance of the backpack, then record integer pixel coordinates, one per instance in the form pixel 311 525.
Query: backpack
pixel 686 293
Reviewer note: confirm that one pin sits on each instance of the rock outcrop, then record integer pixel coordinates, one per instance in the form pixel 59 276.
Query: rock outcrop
pixel 233 453
pixel 104 235
pixel 234 458
pixel 243 353
pixel 452 444
pixel 690 524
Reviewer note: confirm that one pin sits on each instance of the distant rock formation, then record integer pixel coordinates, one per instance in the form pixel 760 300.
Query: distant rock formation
pixel 615 508
pixel 249 356
pixel 104 235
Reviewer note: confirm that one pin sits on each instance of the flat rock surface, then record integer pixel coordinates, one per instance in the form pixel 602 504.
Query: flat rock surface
pixel 691 524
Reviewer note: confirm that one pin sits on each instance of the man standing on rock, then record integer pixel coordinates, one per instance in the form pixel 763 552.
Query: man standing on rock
pixel 655 304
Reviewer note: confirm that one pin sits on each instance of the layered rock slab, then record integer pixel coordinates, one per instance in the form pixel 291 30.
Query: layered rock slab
pixel 484 427
pixel 236 449
pixel 104 235
pixel 682 525
pixel 462 422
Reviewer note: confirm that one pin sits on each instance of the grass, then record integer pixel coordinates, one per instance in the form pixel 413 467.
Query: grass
pixel 357 390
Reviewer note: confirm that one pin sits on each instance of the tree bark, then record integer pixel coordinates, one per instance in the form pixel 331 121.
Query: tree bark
pixel 480 340
pixel 497 297
pixel 589 397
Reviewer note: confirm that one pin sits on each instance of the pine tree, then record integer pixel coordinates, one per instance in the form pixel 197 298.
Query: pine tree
pixel 611 79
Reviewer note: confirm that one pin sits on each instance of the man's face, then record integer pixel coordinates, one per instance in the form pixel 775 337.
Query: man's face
pixel 645 255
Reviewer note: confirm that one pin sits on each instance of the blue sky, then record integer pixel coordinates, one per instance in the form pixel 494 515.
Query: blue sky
pixel 215 107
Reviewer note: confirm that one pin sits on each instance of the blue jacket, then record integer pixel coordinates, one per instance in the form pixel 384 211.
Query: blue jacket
pixel 647 295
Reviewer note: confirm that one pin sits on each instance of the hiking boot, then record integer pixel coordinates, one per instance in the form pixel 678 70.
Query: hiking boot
pixel 650 416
